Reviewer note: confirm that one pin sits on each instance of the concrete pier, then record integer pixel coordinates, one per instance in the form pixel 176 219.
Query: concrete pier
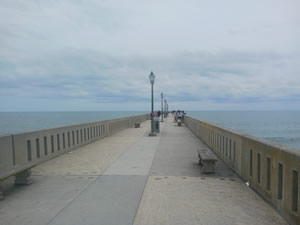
pixel 131 178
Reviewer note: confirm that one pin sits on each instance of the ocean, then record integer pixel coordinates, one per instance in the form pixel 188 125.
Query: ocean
pixel 21 122
pixel 278 126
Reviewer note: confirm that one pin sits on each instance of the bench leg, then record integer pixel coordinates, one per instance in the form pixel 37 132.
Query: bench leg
pixel 200 161
pixel 208 167
pixel 23 178
pixel 1 195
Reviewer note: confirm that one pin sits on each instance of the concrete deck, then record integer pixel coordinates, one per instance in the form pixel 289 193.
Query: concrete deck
pixel 130 178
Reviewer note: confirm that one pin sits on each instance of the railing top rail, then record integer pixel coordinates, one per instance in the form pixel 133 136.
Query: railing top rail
pixel 70 126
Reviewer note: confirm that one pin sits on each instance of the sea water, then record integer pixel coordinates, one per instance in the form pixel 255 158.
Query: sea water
pixel 20 122
pixel 278 126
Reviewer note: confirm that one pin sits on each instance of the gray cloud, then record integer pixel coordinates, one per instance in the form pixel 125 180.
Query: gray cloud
pixel 100 53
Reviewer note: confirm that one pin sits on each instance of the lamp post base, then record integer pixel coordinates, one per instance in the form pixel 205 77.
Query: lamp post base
pixel 152 134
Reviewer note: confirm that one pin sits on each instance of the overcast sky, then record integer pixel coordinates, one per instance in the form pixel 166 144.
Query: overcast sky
pixel 85 55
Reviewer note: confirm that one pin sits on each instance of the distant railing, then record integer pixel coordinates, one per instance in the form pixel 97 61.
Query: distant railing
pixel 272 170
pixel 21 152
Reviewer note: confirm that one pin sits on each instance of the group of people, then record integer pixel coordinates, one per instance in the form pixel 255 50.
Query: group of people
pixel 178 115
pixel 156 114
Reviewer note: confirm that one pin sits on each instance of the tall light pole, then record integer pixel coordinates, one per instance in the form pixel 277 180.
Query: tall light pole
pixel 152 78
pixel 162 107
pixel 166 109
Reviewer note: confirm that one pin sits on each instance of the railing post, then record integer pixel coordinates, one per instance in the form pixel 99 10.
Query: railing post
pixel 23 178
pixel 107 129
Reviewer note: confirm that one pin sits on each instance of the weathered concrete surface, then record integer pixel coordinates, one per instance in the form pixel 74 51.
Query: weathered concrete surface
pixel 148 180
pixel 114 197
pixel 258 161
pixel 20 152
pixel 176 200
pixel 178 193
pixel 107 201
pixel 57 183
pixel 39 202
pixel 94 158
pixel 177 154
pixel 138 160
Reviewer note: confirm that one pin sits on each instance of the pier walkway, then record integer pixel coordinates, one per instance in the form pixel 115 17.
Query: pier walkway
pixel 130 178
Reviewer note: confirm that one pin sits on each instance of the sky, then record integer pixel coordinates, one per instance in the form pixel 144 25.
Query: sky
pixel 96 55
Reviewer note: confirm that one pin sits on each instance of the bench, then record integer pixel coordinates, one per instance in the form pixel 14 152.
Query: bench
pixel 137 125
pixel 207 160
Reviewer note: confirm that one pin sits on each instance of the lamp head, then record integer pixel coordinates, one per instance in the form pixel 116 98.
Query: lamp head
pixel 152 77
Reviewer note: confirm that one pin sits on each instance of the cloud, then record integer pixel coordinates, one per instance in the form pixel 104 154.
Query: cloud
pixel 99 53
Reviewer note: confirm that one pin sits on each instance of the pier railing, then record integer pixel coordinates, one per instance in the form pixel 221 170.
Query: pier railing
pixel 21 152
pixel 272 170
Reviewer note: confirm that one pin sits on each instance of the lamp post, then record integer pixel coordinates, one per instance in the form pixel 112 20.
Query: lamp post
pixel 162 107
pixel 166 109
pixel 152 78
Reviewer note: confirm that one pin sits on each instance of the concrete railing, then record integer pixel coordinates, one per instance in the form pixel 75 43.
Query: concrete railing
pixel 272 170
pixel 20 152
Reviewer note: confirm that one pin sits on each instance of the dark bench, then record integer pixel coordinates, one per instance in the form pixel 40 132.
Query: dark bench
pixel 207 160
pixel 137 125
